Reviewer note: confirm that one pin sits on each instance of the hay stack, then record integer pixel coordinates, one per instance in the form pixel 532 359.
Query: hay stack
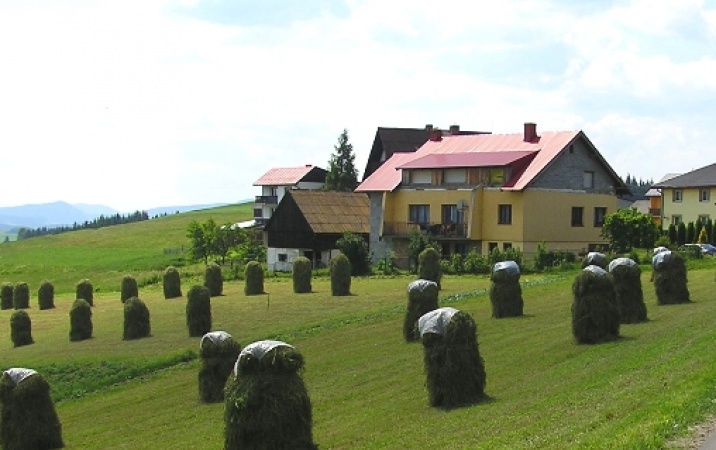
pixel 171 283
pixel 6 295
pixel 80 320
pixel 267 404
pixel 340 268
pixel 198 311
pixel 136 319
pixel 670 278
pixel 454 368
pixel 505 290
pixel 128 288
pixel 302 273
pixel 626 275
pixel 21 296
pixel 218 351
pixel 422 298
pixel 85 290
pixel 254 276
pixel 21 328
pixel 595 259
pixel 595 314
pixel 28 419
pixel 429 266
pixel 46 295
pixel 213 279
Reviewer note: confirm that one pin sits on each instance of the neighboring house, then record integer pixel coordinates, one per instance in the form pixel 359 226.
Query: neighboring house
pixel 309 223
pixel 653 197
pixel 688 197
pixel 276 182
pixel 389 141
pixel 490 191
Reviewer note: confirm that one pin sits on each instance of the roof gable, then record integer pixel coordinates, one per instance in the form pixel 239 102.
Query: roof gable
pixel 324 211
pixel 289 176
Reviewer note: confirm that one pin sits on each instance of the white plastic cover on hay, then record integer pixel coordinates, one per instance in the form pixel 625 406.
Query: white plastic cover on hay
pixel 596 258
pixel 511 268
pixel 660 249
pixel 436 321
pixel 19 374
pixel 258 349
pixel 216 337
pixel 660 259
pixel 596 270
pixel 621 262
pixel 420 285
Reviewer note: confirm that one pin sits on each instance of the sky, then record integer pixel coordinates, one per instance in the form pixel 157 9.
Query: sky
pixel 138 104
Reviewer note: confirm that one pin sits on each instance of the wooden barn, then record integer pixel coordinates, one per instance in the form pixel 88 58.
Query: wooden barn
pixel 309 223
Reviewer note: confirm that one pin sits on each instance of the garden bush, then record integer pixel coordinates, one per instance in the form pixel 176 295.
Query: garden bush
pixel 429 266
pixel 86 291
pixel 267 404
pixel 128 288
pixel 136 319
pixel 455 371
pixel 422 298
pixel 302 274
pixel 254 274
pixel 626 275
pixel 21 328
pixel 46 295
pixel 198 311
pixel 595 314
pixel 505 290
pixel 171 283
pixel 219 352
pixel 28 419
pixel 7 292
pixel 340 275
pixel 670 278
pixel 21 296
pixel 213 280
pixel 80 320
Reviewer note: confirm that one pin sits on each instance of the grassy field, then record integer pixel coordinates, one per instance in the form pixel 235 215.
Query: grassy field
pixel 367 385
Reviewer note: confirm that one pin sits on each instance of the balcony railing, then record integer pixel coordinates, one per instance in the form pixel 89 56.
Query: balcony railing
pixel 260 221
pixel 438 230
pixel 655 211
pixel 267 199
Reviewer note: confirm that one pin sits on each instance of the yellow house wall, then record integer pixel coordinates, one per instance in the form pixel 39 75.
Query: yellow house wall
pixel 690 208
pixel 398 202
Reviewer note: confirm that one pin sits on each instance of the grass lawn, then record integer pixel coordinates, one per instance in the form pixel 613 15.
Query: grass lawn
pixel 367 385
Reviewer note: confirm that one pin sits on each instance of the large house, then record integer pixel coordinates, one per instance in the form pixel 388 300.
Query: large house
pixel 277 181
pixel 485 191
pixel 687 197
pixel 309 223
pixel 653 199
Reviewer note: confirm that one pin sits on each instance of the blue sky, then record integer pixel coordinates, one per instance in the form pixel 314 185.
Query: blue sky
pixel 141 104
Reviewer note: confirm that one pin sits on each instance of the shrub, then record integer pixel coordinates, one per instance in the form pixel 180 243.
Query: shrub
pixel 213 280
pixel 626 276
pixel 254 274
pixel 21 328
pixel 80 320
pixel 198 311
pixel 128 288
pixel 340 275
pixel 29 419
pixel 422 298
pixel 171 283
pixel 595 314
pixel 670 278
pixel 218 351
pixel 356 250
pixel 455 371
pixel 85 291
pixel 475 263
pixel 429 265
pixel 21 296
pixel 505 290
pixel 136 319
pixel 7 292
pixel 267 403
pixel 302 273
pixel 46 295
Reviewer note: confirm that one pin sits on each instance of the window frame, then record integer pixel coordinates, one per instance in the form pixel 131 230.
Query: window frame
pixel 504 214
pixel 676 219
pixel 705 198
pixel 588 179
pixel 414 213
pixel 600 212
pixel 677 195
pixel 577 216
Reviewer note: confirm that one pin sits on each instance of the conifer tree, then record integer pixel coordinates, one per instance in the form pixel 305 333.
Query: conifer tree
pixel 342 174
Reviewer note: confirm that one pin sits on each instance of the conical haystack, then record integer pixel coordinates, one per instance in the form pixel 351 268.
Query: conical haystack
pixel 505 290
pixel 626 275
pixel 218 351
pixel 422 298
pixel 595 313
pixel 670 278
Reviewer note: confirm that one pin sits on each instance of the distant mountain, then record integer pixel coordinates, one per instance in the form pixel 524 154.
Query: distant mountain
pixel 58 214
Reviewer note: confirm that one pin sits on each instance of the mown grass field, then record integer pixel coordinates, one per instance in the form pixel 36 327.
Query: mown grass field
pixel 366 384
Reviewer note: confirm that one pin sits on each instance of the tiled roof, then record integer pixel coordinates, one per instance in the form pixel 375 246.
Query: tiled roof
pixel 703 177
pixel 334 212
pixel 284 176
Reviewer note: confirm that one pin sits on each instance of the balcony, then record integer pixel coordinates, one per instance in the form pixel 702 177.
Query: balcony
pixel 261 221
pixel 655 211
pixel 267 199
pixel 436 230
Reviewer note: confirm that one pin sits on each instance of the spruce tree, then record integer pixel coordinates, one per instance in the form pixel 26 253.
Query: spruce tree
pixel 342 174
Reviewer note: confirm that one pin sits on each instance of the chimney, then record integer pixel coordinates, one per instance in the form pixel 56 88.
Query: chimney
pixel 454 130
pixel 530 131
pixel 429 127
pixel 436 134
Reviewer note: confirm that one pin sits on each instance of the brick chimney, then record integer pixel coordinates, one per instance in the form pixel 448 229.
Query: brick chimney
pixel 429 127
pixel 436 134
pixel 530 132
pixel 454 130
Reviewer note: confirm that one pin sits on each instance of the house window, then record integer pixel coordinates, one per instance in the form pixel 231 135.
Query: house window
pixel 588 179
pixel 451 214
pixel 491 246
pixel 676 219
pixel 274 191
pixel 282 257
pixel 704 195
pixel 677 195
pixel 258 212
pixel 497 177
pixel 419 214
pixel 577 213
pixel 461 249
pixel 504 214
pixel 421 176
pixel 455 176
pixel 506 245
pixel 703 218
pixel 599 214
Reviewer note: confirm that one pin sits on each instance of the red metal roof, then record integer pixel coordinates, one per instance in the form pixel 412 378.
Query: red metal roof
pixel 283 176
pixel 471 159
pixel 386 177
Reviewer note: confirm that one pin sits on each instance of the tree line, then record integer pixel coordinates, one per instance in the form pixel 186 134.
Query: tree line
pixel 99 222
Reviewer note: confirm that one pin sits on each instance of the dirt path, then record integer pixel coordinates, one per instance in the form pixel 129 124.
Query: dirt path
pixel 699 434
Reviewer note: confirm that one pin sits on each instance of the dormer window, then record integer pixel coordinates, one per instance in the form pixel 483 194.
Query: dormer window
pixel 455 176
